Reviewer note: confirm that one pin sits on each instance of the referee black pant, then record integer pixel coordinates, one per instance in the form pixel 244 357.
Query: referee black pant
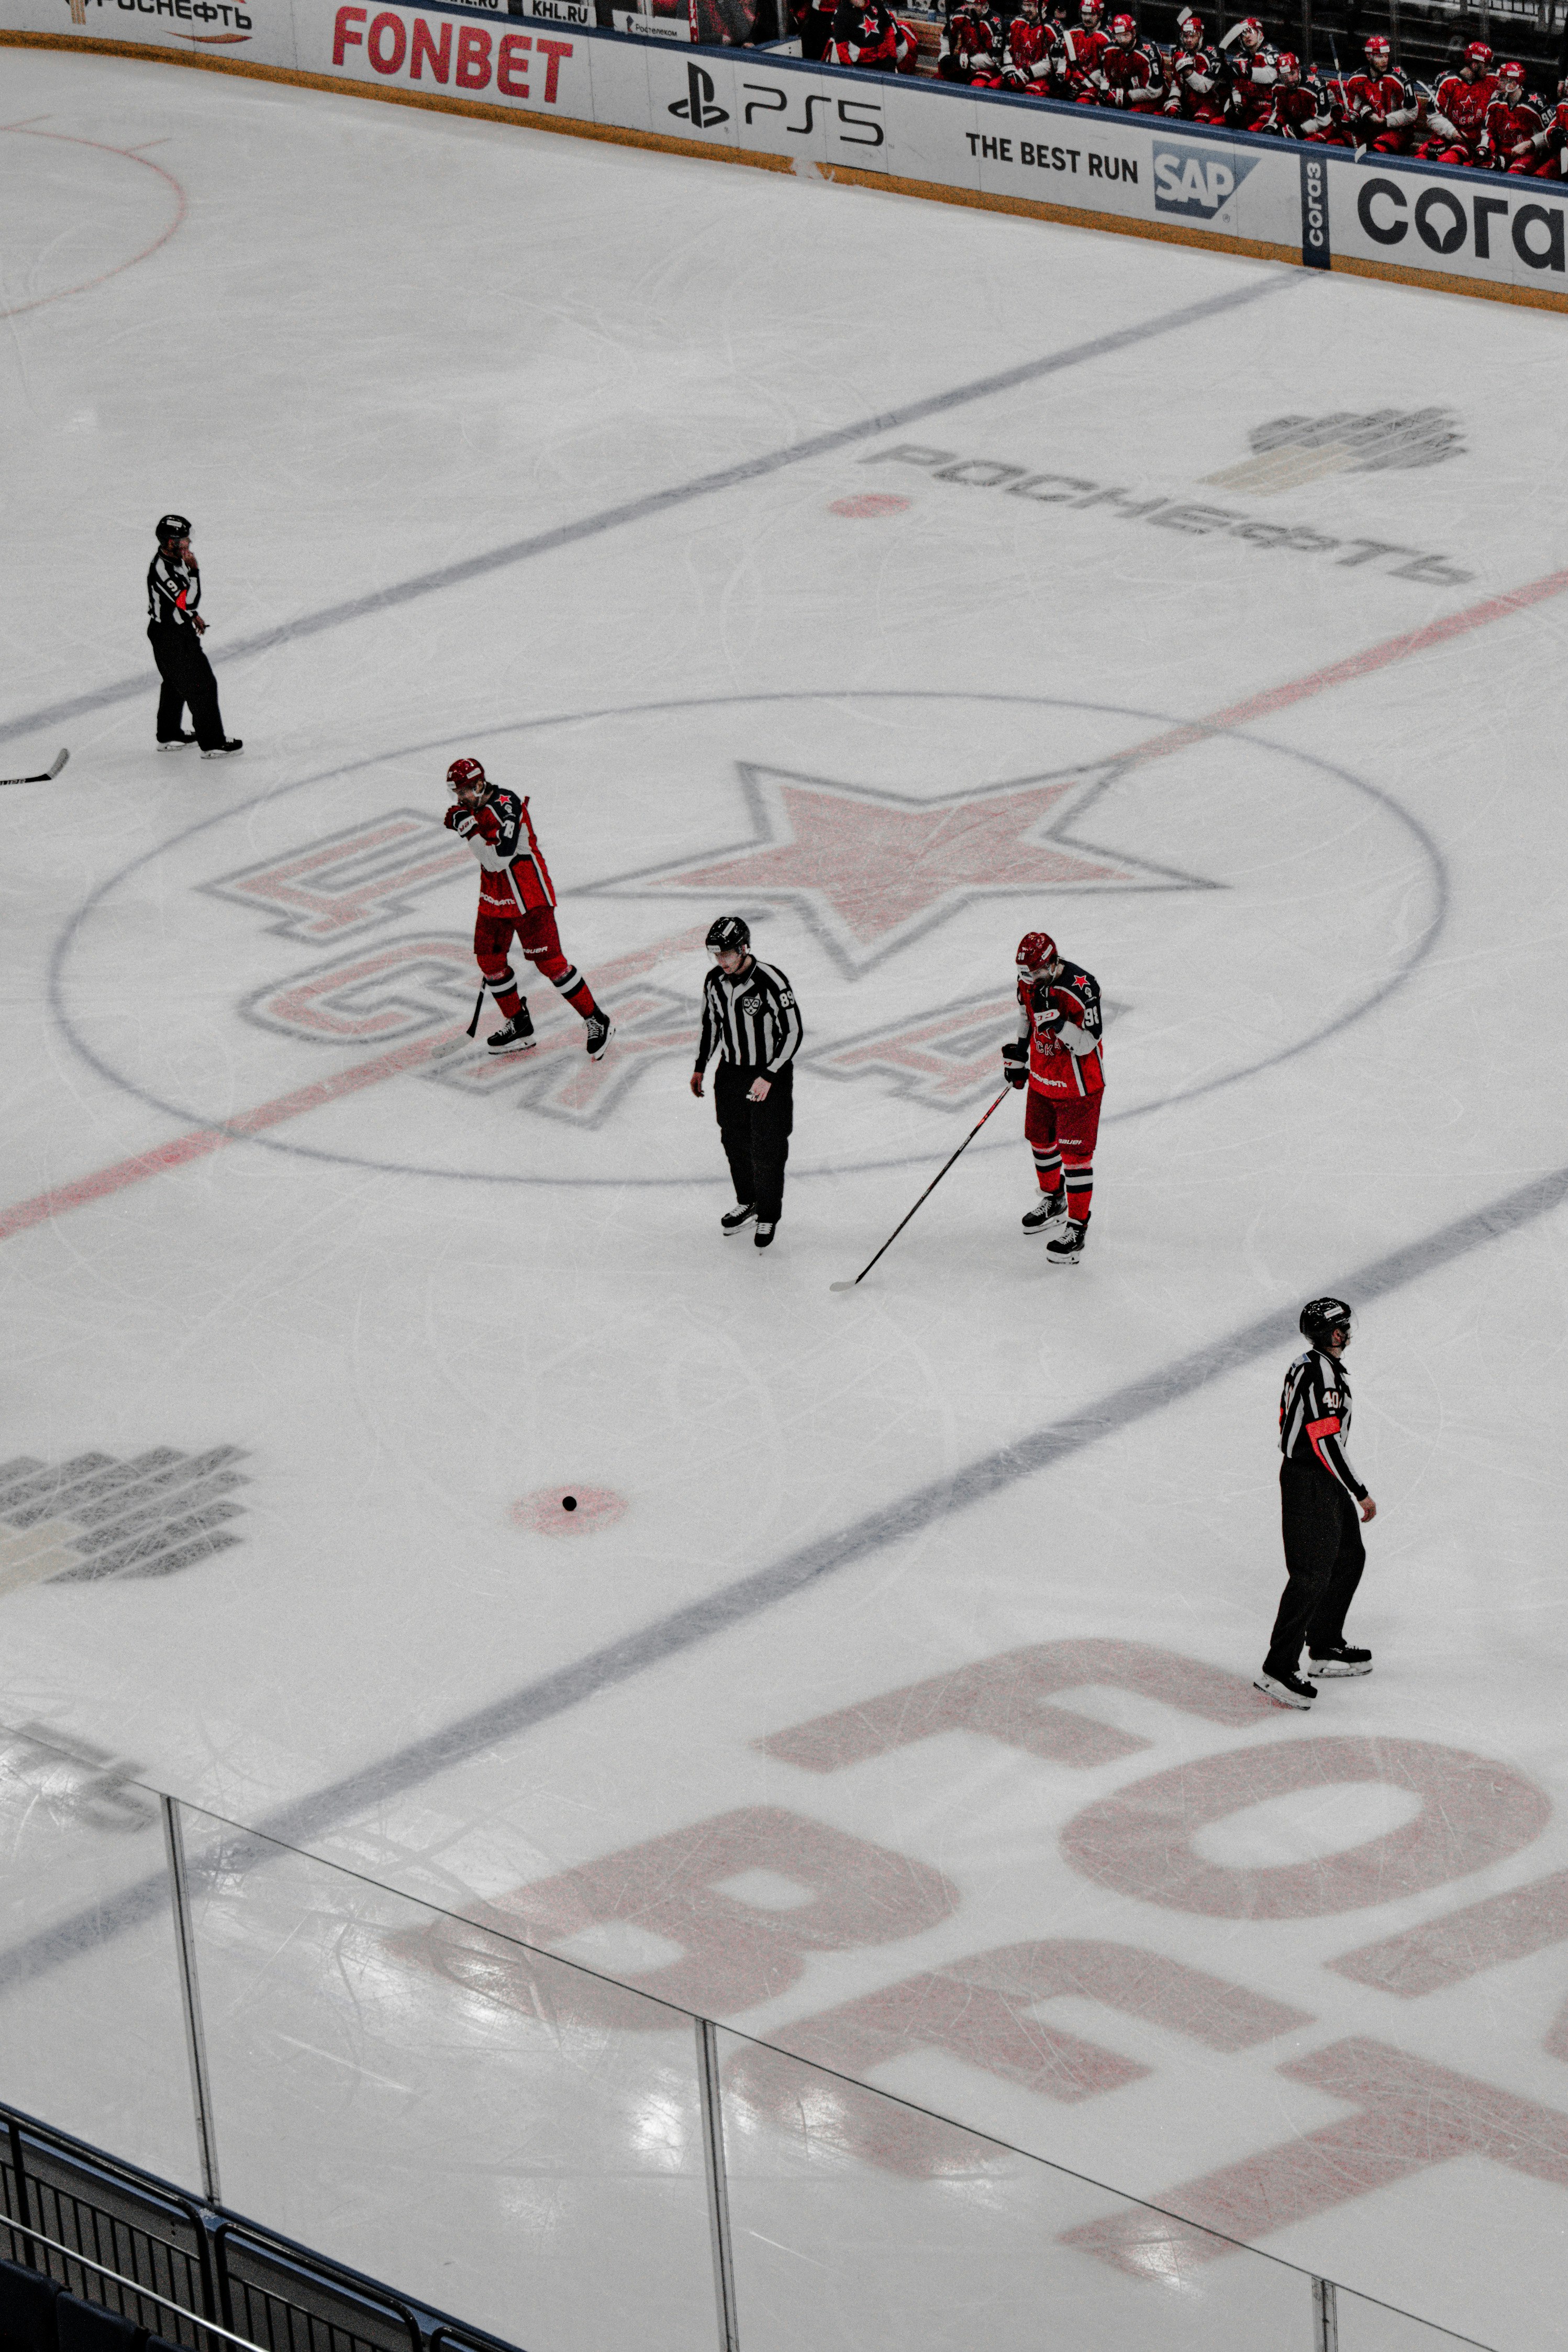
pixel 1323 1559
pixel 755 1136
pixel 187 676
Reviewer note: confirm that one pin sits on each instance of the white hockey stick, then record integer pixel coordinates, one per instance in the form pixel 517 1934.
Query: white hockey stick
pixel 47 777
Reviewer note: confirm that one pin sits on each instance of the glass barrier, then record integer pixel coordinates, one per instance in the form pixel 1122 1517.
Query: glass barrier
pixel 478 2124
pixel 92 2029
pixel 860 2222
pixel 566 2162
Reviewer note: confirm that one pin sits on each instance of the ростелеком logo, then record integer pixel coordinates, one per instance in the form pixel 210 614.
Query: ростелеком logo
pixel 1194 181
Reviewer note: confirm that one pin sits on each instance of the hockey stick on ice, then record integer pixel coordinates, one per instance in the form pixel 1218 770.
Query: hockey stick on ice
pixel 455 1044
pixel 47 777
pixel 925 1196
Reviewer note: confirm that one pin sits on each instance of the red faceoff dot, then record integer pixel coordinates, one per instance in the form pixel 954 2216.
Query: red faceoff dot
pixel 567 1510
pixel 866 507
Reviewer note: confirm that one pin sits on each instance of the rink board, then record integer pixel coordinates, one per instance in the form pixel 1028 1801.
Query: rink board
pixel 1459 231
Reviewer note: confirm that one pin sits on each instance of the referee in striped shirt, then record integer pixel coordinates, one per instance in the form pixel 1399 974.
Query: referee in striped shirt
pixel 750 1019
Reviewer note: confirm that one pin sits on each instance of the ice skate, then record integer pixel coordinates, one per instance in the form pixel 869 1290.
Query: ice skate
pixel 226 749
pixel 1049 1210
pixel 763 1237
pixel 1339 1660
pixel 734 1219
pixel 601 1029
pixel 1285 1690
pixel 175 742
pixel 516 1037
pixel 1068 1246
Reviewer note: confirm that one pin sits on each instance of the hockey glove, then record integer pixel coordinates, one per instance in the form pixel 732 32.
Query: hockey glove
pixel 461 820
pixel 1015 1062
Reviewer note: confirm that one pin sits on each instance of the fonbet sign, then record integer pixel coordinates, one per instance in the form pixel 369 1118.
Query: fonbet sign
pixel 544 59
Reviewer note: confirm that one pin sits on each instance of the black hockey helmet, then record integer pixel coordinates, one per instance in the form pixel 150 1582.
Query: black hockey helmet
pixel 1321 1318
pixel 172 526
pixel 727 931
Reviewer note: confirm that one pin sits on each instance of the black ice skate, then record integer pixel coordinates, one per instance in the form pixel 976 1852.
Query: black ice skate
pixel 1285 1690
pixel 733 1219
pixel 763 1237
pixel 226 749
pixel 1339 1660
pixel 516 1037
pixel 1068 1246
pixel 1049 1210
pixel 174 742
pixel 601 1029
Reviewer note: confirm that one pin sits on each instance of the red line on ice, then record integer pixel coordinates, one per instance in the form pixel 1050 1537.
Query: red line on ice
pixel 201 1141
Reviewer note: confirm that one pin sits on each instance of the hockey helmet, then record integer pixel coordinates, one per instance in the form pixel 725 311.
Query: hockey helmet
pixel 1289 66
pixel 1478 57
pixel 1377 47
pixel 1191 26
pixel 465 776
pixel 1252 32
pixel 1088 14
pixel 1037 952
pixel 1511 71
pixel 172 526
pixel 727 931
pixel 1123 32
pixel 1321 1318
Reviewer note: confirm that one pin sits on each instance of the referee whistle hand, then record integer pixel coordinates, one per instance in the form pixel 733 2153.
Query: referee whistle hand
pixel 1368 1507
pixel 697 1084
pixel 760 1089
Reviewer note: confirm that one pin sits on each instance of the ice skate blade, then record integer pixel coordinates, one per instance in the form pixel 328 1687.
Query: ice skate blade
pixel 1330 1669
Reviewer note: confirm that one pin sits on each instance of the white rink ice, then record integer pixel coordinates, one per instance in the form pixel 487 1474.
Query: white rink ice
pixel 361 346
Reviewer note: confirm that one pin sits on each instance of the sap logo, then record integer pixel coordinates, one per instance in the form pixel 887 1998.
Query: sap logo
pixel 697 106
pixel 1197 182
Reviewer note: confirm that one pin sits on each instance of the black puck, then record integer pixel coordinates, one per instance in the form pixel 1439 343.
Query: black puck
pixel 569 1502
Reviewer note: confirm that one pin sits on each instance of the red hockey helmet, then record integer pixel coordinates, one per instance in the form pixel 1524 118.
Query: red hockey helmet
pixel 1478 56
pixel 1376 48
pixel 1089 12
pixel 1123 32
pixel 1511 72
pixel 1289 66
pixel 1191 30
pixel 465 776
pixel 1252 32
pixel 1037 952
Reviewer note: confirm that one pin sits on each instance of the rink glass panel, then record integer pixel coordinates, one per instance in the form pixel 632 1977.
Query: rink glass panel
pixel 92 2035
pixel 484 2126
pixel 864 2225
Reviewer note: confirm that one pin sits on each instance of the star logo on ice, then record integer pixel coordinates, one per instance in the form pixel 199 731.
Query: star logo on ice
pixel 870 870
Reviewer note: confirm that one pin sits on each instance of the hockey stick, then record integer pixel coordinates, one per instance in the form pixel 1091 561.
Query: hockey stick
pixel 925 1195
pixel 47 776
pixel 455 1044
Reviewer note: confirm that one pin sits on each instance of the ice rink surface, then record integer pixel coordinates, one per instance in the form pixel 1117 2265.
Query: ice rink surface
pixel 358 1320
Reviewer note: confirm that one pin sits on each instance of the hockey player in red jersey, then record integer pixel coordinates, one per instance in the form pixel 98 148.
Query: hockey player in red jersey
pixel 1082 46
pixel 1057 1054
pixel 1032 56
pixel 1194 75
pixel 1382 112
pixel 1513 121
pixel 1545 154
pixel 516 897
pixel 1457 117
pixel 1302 110
pixel 864 36
pixel 1254 70
pixel 1132 72
pixel 972 47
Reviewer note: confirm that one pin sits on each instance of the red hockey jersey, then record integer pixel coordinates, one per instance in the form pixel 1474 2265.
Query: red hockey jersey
pixel 513 877
pixel 1062 1021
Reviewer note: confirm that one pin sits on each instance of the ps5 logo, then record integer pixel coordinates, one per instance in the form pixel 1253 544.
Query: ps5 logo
pixel 697 107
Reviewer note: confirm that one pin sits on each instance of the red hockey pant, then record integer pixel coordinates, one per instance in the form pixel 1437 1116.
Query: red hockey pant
pixel 1060 1131
pixel 540 943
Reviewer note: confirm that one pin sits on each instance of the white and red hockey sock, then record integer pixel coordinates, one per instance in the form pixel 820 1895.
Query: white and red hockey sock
pixel 1047 1168
pixel 1080 1192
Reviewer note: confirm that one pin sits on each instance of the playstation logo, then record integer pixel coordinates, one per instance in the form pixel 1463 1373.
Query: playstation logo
pixel 697 107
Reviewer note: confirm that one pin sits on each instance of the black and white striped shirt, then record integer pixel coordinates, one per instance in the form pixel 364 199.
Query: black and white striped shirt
pixel 750 1018
pixel 1314 1418
pixel 173 591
